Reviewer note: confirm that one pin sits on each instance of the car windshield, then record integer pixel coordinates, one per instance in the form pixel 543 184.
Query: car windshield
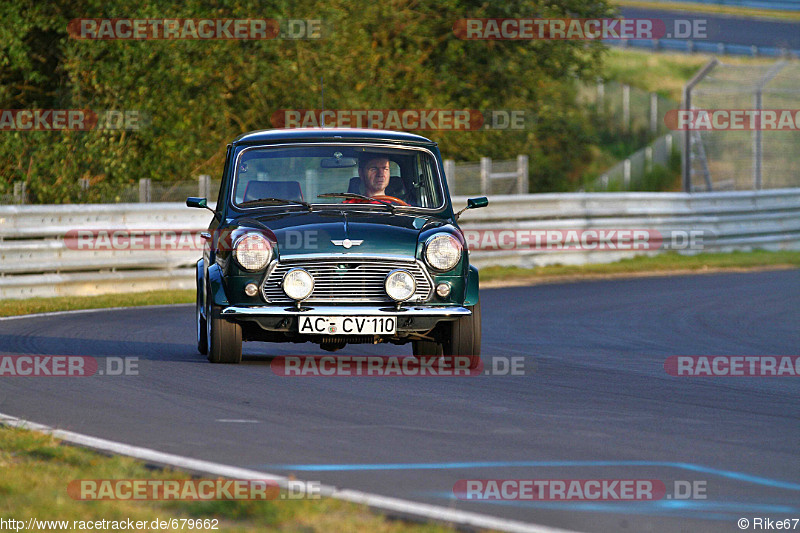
pixel 368 175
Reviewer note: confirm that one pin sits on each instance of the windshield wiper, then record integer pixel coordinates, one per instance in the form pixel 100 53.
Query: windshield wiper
pixel 357 196
pixel 275 201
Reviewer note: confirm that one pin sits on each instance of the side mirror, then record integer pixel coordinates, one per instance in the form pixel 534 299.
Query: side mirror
pixel 474 203
pixel 194 201
pixel 202 203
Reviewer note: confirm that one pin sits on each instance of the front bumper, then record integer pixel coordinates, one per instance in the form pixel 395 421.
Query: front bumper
pixel 412 318
pixel 338 310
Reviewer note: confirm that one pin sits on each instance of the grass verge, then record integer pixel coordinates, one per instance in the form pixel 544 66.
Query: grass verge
pixel 37 468
pixel 69 303
pixel 662 264
pixel 665 73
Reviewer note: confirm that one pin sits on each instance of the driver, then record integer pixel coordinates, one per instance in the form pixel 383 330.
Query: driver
pixel 374 174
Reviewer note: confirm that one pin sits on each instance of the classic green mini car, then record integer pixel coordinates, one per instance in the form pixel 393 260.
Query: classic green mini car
pixel 336 236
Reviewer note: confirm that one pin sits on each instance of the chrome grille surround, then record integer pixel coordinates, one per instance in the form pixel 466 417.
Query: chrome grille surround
pixel 346 278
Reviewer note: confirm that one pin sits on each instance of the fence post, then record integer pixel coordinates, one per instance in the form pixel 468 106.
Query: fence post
pixel 522 174
pixel 601 96
pixel 145 190
pixel 626 108
pixel 648 159
pixel 653 113
pixel 686 161
pixel 486 170
pixel 450 175
pixel 20 192
pixel 203 185
pixel 626 173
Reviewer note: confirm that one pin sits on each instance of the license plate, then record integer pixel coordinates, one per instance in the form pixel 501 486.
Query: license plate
pixel 347 325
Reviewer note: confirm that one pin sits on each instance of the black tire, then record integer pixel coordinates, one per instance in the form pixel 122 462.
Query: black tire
pixel 426 348
pixel 224 338
pixel 202 333
pixel 464 339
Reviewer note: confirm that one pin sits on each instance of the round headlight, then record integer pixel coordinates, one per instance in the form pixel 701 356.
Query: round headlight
pixel 252 251
pixel 298 284
pixel 400 285
pixel 442 252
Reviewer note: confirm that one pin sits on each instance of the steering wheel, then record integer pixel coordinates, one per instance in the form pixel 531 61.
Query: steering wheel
pixel 381 197
pixel 387 198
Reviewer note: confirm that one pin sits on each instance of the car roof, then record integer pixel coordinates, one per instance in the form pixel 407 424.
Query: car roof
pixel 328 134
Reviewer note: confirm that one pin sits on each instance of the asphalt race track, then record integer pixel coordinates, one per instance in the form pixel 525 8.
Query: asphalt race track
pixel 595 402
pixel 728 29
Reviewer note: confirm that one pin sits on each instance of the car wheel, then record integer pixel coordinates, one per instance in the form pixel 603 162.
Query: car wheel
pixel 224 338
pixel 202 338
pixel 464 339
pixel 426 348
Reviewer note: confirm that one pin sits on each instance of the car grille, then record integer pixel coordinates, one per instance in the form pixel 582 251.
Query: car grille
pixel 343 280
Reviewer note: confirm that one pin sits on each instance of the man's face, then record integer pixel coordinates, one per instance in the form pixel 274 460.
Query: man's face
pixel 376 176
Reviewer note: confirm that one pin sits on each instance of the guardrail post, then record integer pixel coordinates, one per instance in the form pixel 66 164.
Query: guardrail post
pixel 203 185
pixel 145 190
pixel 450 175
pixel 522 174
pixel 486 171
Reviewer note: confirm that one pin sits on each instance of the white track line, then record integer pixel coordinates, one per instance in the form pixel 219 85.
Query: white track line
pixel 375 501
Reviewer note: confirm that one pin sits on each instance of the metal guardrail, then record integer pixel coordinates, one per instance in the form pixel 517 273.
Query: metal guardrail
pixel 37 260
pixel 786 5
pixel 725 221
pixel 705 47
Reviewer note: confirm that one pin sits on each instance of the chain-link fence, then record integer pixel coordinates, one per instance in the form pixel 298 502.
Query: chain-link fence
pixel 745 154
pixel 648 169
pixel 489 176
pixel 618 107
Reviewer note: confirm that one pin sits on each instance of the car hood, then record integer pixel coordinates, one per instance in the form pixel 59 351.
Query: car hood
pixel 329 231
